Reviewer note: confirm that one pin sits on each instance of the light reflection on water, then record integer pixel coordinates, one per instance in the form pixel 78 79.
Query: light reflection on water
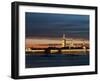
pixel 53 60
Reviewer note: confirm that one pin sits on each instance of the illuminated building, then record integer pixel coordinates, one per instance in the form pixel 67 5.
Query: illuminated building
pixel 64 41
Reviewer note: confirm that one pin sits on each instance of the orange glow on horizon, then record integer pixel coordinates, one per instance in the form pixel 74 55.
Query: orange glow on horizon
pixel 42 45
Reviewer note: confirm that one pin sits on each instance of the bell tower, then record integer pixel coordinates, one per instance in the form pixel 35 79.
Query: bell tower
pixel 64 41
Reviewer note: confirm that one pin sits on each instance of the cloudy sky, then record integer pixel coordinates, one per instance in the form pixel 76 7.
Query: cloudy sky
pixel 48 25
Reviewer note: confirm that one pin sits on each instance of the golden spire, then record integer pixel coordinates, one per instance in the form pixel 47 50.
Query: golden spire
pixel 64 41
pixel 64 36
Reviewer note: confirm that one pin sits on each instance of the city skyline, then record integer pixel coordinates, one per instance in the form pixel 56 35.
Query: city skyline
pixel 56 39
pixel 45 43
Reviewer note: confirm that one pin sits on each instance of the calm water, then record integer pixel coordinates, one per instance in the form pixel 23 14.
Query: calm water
pixel 53 60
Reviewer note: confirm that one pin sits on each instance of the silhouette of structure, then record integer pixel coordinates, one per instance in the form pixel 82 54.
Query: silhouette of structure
pixel 65 46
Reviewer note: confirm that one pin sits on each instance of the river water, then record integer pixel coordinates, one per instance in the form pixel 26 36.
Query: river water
pixel 53 60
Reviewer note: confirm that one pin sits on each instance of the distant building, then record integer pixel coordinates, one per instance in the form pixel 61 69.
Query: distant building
pixel 64 41
pixel 71 43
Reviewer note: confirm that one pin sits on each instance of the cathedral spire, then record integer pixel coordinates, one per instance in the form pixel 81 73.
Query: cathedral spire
pixel 64 41
pixel 64 36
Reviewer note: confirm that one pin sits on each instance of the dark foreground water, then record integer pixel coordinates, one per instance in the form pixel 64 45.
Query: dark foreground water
pixel 53 60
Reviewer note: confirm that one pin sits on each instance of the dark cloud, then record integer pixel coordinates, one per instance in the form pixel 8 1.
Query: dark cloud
pixel 54 25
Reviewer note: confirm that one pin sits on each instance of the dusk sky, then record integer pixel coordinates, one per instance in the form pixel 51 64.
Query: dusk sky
pixel 49 25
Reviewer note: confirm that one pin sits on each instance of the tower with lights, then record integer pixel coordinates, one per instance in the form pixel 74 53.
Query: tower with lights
pixel 64 41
